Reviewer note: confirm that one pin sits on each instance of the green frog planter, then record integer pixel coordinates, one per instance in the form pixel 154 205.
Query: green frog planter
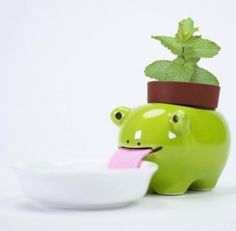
pixel 189 145
pixel 180 128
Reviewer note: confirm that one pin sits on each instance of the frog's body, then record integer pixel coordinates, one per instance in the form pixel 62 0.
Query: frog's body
pixel 190 145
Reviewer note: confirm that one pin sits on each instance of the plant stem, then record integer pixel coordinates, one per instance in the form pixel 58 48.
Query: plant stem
pixel 183 54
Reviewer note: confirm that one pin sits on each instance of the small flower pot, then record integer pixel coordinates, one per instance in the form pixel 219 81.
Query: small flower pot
pixel 184 93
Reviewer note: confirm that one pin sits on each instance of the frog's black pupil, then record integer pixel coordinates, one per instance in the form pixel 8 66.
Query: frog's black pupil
pixel 175 118
pixel 118 115
pixel 138 143
pixel 127 141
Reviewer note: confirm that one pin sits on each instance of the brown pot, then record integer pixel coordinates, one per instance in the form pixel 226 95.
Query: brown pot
pixel 197 95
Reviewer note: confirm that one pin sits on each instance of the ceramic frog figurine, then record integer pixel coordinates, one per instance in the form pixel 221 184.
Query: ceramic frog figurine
pixel 190 145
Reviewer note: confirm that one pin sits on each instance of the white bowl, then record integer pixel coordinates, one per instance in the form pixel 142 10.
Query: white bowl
pixel 87 184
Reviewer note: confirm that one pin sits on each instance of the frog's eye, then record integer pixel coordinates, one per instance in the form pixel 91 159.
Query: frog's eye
pixel 180 123
pixel 175 118
pixel 119 114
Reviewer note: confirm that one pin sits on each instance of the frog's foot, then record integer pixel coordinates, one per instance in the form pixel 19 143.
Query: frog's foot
pixel 151 191
pixel 172 189
pixel 203 184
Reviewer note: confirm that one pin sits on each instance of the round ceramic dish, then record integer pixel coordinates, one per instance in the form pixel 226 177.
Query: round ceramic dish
pixel 85 184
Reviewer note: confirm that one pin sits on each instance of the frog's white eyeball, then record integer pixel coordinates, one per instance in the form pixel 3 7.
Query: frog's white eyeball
pixel 119 114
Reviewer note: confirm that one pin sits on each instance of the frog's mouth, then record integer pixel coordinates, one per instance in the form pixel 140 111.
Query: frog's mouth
pixel 130 157
pixel 157 149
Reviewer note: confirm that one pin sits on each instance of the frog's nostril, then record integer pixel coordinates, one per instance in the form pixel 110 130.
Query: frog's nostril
pixel 138 143
pixel 127 141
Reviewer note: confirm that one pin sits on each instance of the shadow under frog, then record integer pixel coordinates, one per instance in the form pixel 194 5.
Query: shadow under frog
pixel 190 145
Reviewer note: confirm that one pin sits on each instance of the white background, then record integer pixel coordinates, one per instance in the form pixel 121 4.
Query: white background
pixel 64 65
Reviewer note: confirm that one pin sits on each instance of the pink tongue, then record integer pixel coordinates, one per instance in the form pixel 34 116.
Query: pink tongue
pixel 127 158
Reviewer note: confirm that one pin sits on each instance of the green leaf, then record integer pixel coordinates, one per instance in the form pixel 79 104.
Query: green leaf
pixel 201 75
pixel 202 48
pixel 179 72
pixel 170 43
pixel 157 70
pixel 186 30
pixel 193 61
pixel 179 60
pixel 190 41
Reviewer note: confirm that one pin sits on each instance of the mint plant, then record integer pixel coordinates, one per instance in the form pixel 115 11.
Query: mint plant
pixel 189 48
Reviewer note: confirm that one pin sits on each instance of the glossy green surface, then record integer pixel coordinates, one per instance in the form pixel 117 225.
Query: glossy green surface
pixel 195 144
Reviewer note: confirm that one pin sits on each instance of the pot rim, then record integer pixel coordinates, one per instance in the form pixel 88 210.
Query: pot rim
pixel 184 83
pixel 197 95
